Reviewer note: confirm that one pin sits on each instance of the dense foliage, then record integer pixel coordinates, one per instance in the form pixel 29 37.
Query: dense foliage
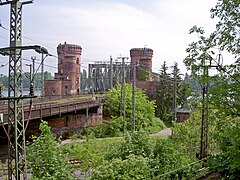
pixel 26 79
pixel 165 93
pixel 227 161
pixel 117 125
pixel 44 157
pixel 227 33
pixel 139 157
pixel 137 143
pixel 159 160
pixel 90 152
pixel 145 112
pixel 224 86
pixel 133 167
pixel 114 128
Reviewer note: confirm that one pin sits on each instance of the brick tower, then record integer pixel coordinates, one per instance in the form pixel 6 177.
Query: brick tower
pixel 142 57
pixel 67 79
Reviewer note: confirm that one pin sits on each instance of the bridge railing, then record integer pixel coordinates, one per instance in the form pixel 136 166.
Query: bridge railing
pixel 45 109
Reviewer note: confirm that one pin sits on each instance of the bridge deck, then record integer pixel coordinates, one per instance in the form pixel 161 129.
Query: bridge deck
pixel 44 109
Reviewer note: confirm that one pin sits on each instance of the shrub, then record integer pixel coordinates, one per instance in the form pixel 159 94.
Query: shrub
pixel 133 167
pixel 137 143
pixel 44 157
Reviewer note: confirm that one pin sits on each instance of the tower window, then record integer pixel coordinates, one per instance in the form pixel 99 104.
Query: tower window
pixel 77 60
pixel 66 87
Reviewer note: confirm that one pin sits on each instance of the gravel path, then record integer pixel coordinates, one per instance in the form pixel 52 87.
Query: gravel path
pixel 164 132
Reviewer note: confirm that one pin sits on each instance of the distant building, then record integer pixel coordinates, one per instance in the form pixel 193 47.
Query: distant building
pixel 142 57
pixel 182 114
pixel 67 80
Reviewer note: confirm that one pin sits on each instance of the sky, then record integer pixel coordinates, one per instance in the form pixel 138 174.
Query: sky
pixel 105 28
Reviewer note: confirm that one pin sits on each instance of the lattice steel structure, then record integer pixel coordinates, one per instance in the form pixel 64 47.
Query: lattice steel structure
pixel 16 132
pixel 205 65
pixel 104 75
pixel 204 129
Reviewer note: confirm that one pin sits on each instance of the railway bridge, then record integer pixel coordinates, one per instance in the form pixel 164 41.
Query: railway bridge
pixel 63 115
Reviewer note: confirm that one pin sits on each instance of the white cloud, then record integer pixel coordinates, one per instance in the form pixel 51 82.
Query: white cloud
pixel 106 27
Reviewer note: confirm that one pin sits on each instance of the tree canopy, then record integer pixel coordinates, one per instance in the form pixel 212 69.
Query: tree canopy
pixel 223 90
pixel 145 112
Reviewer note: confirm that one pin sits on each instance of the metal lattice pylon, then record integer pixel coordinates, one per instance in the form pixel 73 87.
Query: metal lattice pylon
pixel 16 144
pixel 204 129
pixel 16 128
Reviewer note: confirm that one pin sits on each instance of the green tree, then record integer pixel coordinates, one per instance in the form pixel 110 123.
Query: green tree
pixel 133 167
pixel 227 33
pixel 227 161
pixel 224 89
pixel 181 86
pixel 164 98
pixel 184 91
pixel 159 159
pixel 165 91
pixel 4 80
pixel 169 162
pixel 44 157
pixel 145 112
pixel 48 76
pixel 137 143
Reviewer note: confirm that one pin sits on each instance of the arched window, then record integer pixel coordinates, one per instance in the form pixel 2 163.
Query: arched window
pixel 77 60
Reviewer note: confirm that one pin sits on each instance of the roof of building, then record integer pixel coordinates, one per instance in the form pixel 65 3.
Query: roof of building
pixel 183 110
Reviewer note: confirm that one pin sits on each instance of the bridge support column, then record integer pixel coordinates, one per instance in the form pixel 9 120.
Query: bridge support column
pixel 87 115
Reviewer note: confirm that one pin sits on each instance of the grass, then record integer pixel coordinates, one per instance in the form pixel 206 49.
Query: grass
pixel 94 149
pixel 90 152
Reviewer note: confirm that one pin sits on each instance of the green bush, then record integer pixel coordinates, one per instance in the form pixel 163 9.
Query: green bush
pixel 114 128
pixel 227 161
pixel 137 143
pixel 44 157
pixel 90 152
pixel 167 158
pixel 145 109
pixel 156 126
pixel 133 167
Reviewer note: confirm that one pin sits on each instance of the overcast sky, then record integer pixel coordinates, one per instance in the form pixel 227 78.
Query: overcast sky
pixel 111 27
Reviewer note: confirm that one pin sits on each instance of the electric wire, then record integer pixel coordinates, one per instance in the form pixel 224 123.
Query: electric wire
pixel 157 76
pixel 43 45
pixel 170 172
pixel 28 38
pixel 220 68
pixel 3 65
pixel 4 38
pixel 87 60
